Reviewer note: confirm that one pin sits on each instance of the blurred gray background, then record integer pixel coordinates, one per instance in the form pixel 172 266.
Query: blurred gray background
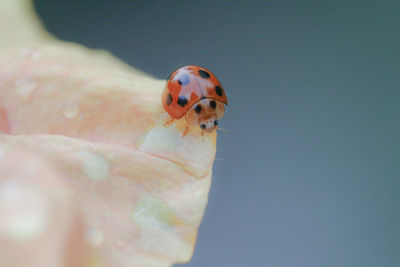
pixel 309 173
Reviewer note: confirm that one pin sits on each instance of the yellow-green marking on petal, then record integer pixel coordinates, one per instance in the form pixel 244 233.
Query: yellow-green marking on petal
pixel 152 212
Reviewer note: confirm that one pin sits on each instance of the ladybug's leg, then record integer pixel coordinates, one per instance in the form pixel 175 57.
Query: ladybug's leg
pixel 185 131
pixel 169 122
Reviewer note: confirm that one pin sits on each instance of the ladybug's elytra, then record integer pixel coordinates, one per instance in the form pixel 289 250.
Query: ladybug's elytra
pixel 194 92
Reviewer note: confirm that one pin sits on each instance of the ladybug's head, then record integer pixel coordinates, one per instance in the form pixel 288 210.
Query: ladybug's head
pixel 205 114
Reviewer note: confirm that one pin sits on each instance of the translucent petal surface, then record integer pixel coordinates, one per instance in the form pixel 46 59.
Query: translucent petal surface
pixel 97 125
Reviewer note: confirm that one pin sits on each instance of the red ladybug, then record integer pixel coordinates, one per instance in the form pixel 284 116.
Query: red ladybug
pixel 194 92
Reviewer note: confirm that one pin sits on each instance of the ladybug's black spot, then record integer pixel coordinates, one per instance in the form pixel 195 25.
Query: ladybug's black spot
pixel 204 74
pixel 182 101
pixel 198 109
pixel 213 104
pixel 218 90
pixel 169 99
pixel 216 122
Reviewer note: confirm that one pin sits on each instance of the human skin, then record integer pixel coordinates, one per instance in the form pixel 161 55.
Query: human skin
pixel 89 174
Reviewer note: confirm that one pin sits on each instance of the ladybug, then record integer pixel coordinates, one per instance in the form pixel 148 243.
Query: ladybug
pixel 194 92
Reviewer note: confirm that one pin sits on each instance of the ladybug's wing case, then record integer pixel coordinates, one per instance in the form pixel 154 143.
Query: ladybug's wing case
pixel 186 86
pixel 209 84
pixel 181 92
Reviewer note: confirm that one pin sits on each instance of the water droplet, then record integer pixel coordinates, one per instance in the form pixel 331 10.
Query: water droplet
pixel 94 237
pixel 96 166
pixel 24 211
pixel 71 109
pixel 24 88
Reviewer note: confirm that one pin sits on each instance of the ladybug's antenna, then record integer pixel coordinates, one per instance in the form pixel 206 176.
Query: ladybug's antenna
pixel 222 130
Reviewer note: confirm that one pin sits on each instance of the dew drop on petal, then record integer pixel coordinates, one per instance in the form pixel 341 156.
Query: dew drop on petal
pixel 24 88
pixel 71 109
pixel 24 210
pixel 96 166
pixel 94 237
